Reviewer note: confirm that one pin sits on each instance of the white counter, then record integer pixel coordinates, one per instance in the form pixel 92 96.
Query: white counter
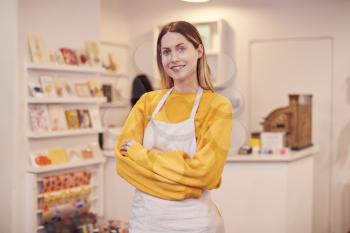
pixel 267 193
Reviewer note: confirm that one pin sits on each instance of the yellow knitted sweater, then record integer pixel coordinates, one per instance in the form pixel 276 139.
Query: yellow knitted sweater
pixel 173 175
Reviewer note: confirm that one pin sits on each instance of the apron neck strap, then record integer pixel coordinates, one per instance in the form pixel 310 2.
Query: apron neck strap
pixel 161 102
pixel 195 105
pixel 196 102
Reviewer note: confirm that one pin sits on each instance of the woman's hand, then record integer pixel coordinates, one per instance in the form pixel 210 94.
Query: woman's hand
pixel 125 146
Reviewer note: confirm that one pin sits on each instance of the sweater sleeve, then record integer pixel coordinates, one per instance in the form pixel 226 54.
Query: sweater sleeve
pixel 203 170
pixel 141 178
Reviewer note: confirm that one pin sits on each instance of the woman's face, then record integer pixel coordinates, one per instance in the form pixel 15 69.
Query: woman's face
pixel 179 57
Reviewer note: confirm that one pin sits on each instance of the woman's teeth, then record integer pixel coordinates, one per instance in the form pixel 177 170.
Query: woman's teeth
pixel 177 68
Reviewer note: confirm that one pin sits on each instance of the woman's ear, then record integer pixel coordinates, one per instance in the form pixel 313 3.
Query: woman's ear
pixel 200 51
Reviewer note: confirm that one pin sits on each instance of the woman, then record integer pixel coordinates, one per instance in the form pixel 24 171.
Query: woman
pixel 174 143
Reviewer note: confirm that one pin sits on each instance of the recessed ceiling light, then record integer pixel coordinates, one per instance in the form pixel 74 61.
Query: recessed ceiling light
pixel 195 0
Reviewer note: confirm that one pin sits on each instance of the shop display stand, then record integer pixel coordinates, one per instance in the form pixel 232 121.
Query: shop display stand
pixel 37 141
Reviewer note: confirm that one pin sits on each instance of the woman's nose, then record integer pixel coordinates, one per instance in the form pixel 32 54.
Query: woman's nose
pixel 174 56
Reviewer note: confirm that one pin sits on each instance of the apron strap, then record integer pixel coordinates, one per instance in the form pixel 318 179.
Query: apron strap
pixel 195 105
pixel 196 102
pixel 161 102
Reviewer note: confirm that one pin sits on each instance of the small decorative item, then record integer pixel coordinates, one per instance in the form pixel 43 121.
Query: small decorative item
pixel 109 56
pixel 86 153
pixel 37 49
pixel 294 120
pixel 69 56
pixel 57 155
pixel 93 50
pixel 245 150
pixel 107 92
pixel 57 119
pixel 35 88
pixel 95 118
pixel 39 159
pixel 82 89
pixel 72 119
pixel 48 85
pixel 84 118
pixel 73 154
pixel 83 58
pixel 95 88
pixel 39 118
pixel 68 88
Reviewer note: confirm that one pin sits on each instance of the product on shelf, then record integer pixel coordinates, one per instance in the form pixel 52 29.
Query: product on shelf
pixel 39 118
pixel 37 49
pixel 57 118
pixel 69 56
pixel 48 85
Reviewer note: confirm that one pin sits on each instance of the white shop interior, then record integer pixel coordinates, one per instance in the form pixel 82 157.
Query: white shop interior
pixel 259 53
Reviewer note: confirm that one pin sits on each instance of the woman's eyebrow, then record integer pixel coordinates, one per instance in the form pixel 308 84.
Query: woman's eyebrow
pixel 175 45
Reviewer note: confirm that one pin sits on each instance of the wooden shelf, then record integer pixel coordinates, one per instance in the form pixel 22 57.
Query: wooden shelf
pixel 63 100
pixel 66 133
pixel 60 167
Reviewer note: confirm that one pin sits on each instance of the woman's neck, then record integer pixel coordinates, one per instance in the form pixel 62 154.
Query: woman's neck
pixel 187 85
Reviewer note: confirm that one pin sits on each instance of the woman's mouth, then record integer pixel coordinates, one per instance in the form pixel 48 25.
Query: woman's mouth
pixel 177 68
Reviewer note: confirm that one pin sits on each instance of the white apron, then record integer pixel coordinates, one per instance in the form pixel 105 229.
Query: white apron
pixel 154 215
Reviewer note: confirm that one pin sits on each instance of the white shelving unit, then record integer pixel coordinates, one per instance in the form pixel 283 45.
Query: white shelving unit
pixel 219 52
pixel 37 141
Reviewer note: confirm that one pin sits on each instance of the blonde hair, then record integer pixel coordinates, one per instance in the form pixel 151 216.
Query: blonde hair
pixel 192 35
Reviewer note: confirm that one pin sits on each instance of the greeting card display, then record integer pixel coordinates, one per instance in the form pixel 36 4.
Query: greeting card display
pixel 57 155
pixel 107 92
pixel 40 159
pixel 95 87
pixel 48 85
pixel 72 119
pixel 93 49
pixel 57 118
pixel 84 118
pixel 55 56
pixel 95 118
pixel 35 89
pixel 69 56
pixel 82 89
pixel 39 118
pixel 83 57
pixel 65 181
pixel 37 49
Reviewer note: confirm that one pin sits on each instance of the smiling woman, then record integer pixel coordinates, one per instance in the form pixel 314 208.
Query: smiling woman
pixel 174 144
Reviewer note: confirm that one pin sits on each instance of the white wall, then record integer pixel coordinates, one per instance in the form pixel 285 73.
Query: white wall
pixel 8 77
pixel 271 19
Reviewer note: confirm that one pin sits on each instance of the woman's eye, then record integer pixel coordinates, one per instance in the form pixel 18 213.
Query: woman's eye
pixel 165 52
pixel 181 49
